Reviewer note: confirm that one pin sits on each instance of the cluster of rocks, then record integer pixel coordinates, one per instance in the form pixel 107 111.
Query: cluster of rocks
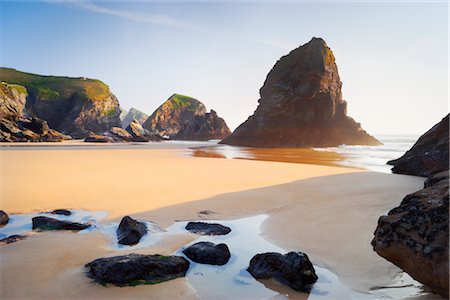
pixel 293 269
pixel 133 133
pixel 43 223
pixel 415 234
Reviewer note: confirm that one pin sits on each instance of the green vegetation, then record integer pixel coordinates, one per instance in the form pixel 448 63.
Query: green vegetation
pixel 56 87
pixel 181 101
pixel 110 112
pixel 7 88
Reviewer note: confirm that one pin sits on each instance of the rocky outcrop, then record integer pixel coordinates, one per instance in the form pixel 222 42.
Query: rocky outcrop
pixel 4 218
pixel 292 269
pixel 97 138
pixel 136 269
pixel 134 114
pixel 301 105
pixel 203 128
pixel 130 231
pixel 64 212
pixel 185 118
pixel 429 155
pixel 12 239
pixel 140 134
pixel 208 253
pixel 207 228
pixel 414 236
pixel 45 223
pixel 16 125
pixel 74 106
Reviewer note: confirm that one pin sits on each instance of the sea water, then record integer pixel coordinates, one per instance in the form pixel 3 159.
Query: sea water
pixel 374 158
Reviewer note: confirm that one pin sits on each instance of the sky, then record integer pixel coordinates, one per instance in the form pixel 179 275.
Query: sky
pixel 392 56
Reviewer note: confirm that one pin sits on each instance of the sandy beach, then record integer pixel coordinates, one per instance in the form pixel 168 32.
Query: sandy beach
pixel 328 212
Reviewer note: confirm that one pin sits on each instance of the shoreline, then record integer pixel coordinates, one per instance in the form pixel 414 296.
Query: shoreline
pixel 327 212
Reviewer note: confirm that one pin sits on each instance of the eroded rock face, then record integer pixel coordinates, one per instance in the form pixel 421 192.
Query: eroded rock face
pixel 429 155
pixel 45 223
pixel 185 118
pixel 292 269
pixel 203 128
pixel 130 231
pixel 208 253
pixel 301 105
pixel 74 106
pixel 135 269
pixel 16 125
pixel 207 228
pixel 414 236
pixel 4 218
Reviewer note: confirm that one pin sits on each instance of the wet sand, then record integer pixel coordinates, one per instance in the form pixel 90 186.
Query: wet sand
pixel 328 212
pixel 290 155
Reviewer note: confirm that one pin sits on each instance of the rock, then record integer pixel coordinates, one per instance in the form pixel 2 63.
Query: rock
pixel 134 115
pixel 292 269
pixel 63 212
pixel 414 236
pixel 301 105
pixel 12 239
pixel 142 135
pixel 45 223
pixel 95 138
pixel 4 218
pixel 130 231
pixel 208 253
pixel 133 269
pixel 203 128
pixel 207 228
pixel 429 155
pixel 185 118
pixel 15 125
pixel 12 100
pixel 120 135
pixel 74 106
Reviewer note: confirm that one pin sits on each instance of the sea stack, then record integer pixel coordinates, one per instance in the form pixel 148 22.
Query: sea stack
pixel 301 105
pixel 185 118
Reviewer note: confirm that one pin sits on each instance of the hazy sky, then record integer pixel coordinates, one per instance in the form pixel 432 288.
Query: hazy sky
pixel 392 57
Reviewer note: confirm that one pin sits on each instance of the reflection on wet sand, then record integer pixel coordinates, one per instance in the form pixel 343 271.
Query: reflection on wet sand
pixel 291 155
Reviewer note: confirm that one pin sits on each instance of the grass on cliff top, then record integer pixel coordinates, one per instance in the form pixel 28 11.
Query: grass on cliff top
pixel 7 88
pixel 56 87
pixel 182 101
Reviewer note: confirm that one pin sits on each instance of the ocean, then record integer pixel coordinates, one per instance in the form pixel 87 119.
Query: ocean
pixel 374 158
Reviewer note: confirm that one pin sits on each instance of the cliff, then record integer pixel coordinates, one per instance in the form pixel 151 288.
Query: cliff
pixel 75 106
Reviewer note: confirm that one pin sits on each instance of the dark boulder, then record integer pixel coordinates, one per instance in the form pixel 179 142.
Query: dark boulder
pixel 130 231
pixel 63 212
pixel 414 235
pixel 292 269
pixel 207 228
pixel 45 223
pixel 133 269
pixel 208 253
pixel 12 239
pixel 429 155
pixel 4 218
